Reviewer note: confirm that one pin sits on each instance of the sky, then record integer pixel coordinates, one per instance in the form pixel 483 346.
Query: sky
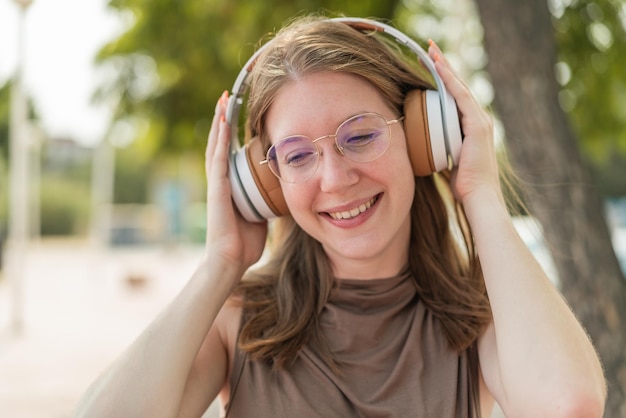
pixel 61 39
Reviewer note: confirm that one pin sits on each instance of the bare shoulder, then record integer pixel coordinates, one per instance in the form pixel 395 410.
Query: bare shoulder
pixel 227 326
pixel 227 323
pixel 488 371
pixel 486 399
pixel 209 374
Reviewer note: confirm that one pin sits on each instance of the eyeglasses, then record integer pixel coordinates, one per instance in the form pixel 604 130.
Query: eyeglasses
pixel 361 138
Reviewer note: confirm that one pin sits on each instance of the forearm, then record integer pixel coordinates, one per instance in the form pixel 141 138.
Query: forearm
pixel 149 378
pixel 543 354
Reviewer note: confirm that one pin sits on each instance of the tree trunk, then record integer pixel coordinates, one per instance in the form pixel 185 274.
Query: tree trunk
pixel 519 41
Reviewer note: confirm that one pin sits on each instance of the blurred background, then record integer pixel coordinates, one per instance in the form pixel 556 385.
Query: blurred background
pixel 105 107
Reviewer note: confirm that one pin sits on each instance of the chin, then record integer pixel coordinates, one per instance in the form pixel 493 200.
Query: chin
pixel 373 258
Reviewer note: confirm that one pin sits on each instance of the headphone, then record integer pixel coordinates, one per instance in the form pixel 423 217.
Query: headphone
pixel 431 125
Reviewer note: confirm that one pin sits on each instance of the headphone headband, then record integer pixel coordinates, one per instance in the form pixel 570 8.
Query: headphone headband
pixel 236 97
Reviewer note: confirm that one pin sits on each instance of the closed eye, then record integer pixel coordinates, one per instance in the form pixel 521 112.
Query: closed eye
pixel 299 158
pixel 362 138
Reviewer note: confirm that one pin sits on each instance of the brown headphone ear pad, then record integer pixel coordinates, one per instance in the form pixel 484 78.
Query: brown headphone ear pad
pixel 417 133
pixel 266 182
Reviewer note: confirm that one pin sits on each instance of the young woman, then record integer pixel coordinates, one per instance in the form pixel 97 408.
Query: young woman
pixel 370 302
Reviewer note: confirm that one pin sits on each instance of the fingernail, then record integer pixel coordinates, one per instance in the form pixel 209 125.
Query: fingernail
pixel 437 57
pixel 222 119
pixel 431 42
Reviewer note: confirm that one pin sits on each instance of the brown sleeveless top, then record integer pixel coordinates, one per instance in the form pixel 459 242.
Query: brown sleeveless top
pixel 393 356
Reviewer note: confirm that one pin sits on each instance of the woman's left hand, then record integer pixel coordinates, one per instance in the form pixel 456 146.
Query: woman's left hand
pixel 478 167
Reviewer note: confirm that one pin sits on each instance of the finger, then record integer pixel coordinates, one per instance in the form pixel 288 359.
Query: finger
pixel 219 162
pixel 220 110
pixel 436 54
pixel 473 117
pixel 456 87
pixel 441 60
pixel 454 84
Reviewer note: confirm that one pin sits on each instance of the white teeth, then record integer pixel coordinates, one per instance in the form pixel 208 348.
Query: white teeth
pixel 353 212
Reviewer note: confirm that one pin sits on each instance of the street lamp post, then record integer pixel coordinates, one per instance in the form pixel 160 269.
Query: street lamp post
pixel 18 181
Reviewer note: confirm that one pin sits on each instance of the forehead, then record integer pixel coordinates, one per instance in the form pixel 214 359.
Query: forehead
pixel 315 105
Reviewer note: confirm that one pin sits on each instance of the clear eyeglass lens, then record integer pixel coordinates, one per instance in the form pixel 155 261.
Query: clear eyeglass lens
pixel 293 159
pixel 362 138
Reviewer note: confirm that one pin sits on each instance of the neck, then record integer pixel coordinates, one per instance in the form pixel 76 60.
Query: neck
pixel 368 269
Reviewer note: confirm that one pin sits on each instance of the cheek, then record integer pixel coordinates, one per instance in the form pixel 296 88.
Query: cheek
pixel 398 159
pixel 296 196
pixel 299 200
pixel 399 173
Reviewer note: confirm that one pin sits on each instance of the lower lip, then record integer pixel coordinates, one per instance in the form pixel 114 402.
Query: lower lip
pixel 357 220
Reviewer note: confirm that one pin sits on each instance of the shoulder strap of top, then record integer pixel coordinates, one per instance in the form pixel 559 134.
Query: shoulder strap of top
pixel 240 361
pixel 238 364
pixel 473 382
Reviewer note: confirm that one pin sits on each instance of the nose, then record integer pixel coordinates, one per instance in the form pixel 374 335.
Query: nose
pixel 335 171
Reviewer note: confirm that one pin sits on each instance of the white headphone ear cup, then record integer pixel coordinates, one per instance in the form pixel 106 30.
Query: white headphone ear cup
pixel 240 178
pixel 255 190
pixel 453 124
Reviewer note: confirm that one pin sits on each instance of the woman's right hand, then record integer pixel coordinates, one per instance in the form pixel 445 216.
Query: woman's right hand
pixel 229 236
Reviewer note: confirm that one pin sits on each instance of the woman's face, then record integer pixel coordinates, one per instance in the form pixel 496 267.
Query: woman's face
pixel 366 241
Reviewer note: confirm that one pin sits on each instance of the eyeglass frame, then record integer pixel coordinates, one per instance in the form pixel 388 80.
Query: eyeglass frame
pixel 339 149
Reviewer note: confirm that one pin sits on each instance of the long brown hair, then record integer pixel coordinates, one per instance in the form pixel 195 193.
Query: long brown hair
pixel 283 298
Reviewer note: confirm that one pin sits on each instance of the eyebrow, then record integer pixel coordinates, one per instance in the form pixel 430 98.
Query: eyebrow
pixel 362 112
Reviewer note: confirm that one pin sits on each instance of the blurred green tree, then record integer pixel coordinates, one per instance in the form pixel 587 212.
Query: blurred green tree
pixel 4 150
pixel 591 39
pixel 176 58
pixel 5 117
pixel 130 176
pixel 64 206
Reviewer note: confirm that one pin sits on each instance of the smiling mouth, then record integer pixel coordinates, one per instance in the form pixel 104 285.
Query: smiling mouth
pixel 349 214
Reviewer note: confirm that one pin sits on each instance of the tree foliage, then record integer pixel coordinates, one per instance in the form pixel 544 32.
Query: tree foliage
pixel 176 58
pixel 4 120
pixel 5 117
pixel 591 39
